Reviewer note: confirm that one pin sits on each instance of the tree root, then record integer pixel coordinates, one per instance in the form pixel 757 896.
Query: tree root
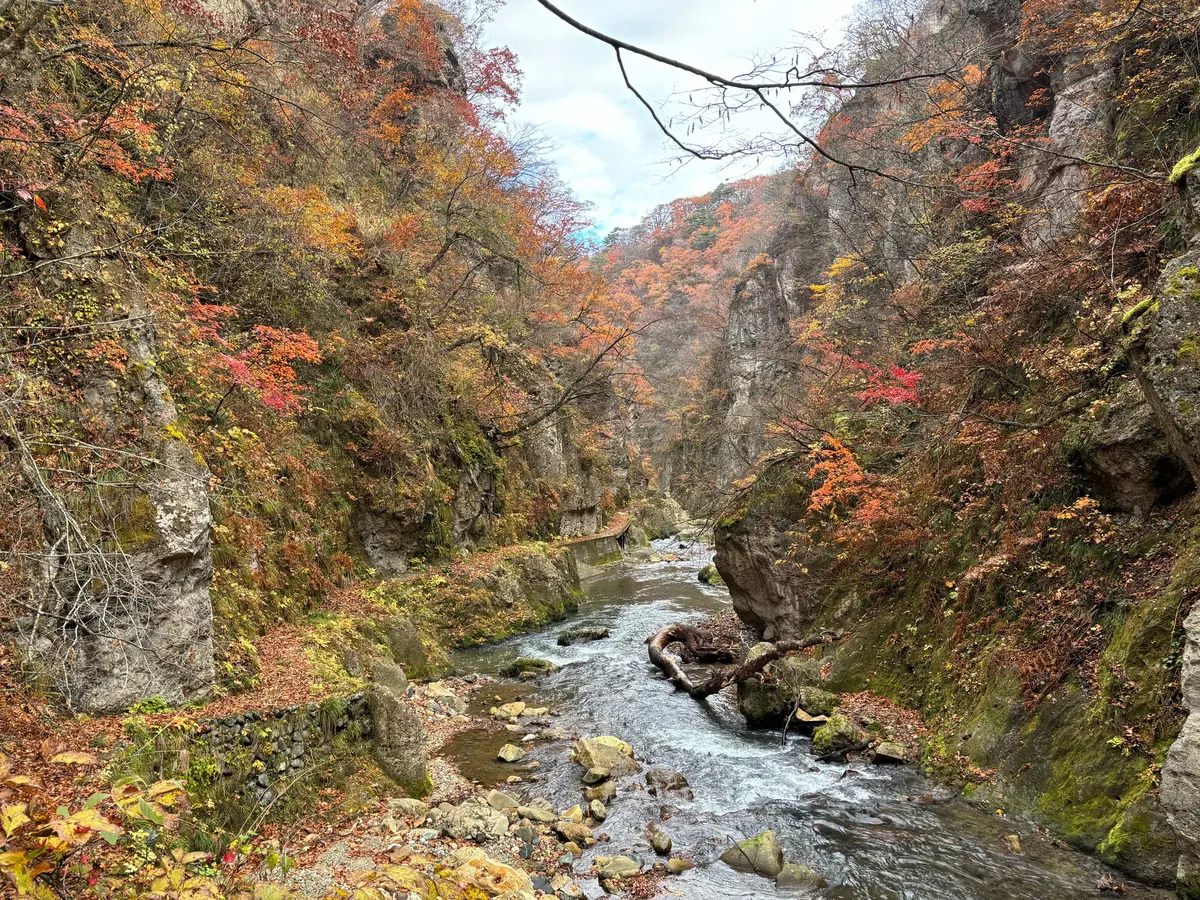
pixel 692 642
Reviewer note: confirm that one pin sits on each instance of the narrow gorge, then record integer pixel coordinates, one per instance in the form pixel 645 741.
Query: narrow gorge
pixel 402 502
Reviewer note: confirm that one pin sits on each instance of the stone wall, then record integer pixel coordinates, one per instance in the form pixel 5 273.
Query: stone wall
pixel 254 752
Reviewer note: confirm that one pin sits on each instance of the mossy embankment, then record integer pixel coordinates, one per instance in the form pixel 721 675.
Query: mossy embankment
pixel 1046 665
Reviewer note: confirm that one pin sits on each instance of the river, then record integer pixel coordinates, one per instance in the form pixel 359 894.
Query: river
pixel 874 833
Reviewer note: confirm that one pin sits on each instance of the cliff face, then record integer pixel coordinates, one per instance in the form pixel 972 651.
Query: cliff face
pixel 1008 539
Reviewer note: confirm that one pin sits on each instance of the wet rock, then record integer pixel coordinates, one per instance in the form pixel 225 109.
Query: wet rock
pixel 606 753
pixel 836 736
pixel 795 876
pixel 890 752
pixel 473 821
pixel 1013 843
pixel 535 711
pixel 666 781
pixel 710 575
pixel 660 841
pixel 761 855
pixel 598 810
pixel 597 775
pixel 511 753
pixel 614 868
pixel 581 636
pixel 678 866
pixel 602 792
pixel 524 664
pixel 574 832
pixel 399 740
pixel 508 710
pixel 574 814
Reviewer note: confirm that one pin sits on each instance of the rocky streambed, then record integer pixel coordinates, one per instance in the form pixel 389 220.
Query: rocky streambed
pixel 677 785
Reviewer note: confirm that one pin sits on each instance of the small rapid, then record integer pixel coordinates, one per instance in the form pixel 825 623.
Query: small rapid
pixel 874 833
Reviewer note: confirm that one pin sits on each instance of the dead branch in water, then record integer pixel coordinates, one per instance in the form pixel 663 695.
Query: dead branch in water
pixel 723 678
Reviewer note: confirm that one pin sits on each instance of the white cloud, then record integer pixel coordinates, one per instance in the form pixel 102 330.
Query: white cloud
pixel 608 149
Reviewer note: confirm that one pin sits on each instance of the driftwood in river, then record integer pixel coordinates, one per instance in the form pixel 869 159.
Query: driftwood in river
pixel 693 642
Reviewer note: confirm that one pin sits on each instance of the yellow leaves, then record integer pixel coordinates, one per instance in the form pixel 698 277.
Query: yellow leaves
pixel 319 225
pixel 78 828
pixel 75 758
pixel 175 882
pixel 12 817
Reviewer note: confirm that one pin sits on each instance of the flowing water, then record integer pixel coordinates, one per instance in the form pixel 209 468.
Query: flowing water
pixel 872 832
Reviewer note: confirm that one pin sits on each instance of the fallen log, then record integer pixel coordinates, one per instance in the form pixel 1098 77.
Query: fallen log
pixel 720 679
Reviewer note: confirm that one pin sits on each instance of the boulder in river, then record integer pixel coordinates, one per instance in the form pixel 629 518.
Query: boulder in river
pixel 795 876
pixel 890 752
pixel 606 752
pixel 598 810
pixel 596 775
pixel 604 792
pixel 660 841
pixel 508 710
pixel 837 735
pixel 511 753
pixel 761 855
pixel 581 636
pixel 710 575
pixel 678 865
pixel 574 832
pixel 524 664
pixel 612 868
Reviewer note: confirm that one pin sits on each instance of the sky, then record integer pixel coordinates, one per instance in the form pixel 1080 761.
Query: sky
pixel 605 145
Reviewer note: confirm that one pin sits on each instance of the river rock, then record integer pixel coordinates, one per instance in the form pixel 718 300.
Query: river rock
pixel 536 814
pixel 677 865
pixel 581 636
pixel 476 822
pixel 795 876
pixel 660 841
pixel 890 752
pixel 614 868
pixel 525 665
pixel 501 801
pixel 508 710
pixel 603 792
pixel 574 832
pixel 710 575
pixel 494 878
pixel 437 690
pixel 597 775
pixel 598 810
pixel 836 736
pixel 606 752
pixel 511 753
pixel 665 781
pixel 574 814
pixel 761 855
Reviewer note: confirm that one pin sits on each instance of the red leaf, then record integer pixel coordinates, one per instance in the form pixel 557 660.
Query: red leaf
pixel 41 204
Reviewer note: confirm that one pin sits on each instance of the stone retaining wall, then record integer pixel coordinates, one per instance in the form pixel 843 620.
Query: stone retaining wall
pixel 260 749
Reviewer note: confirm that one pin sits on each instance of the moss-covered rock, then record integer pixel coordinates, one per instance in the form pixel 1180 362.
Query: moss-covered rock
pixel 837 735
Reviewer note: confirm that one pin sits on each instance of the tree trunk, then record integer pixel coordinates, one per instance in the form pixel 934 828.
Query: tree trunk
pixel 723 678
